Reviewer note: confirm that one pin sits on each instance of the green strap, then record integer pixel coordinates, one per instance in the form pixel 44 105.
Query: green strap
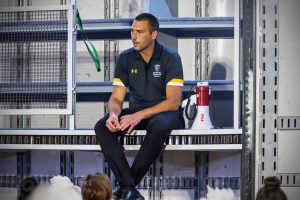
pixel 94 53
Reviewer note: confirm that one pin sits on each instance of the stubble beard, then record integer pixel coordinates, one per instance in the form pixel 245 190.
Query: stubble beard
pixel 141 49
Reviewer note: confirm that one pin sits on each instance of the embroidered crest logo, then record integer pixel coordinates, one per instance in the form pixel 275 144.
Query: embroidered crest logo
pixel 157 67
pixel 157 72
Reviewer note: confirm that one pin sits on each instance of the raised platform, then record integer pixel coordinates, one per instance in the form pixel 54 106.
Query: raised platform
pixel 196 140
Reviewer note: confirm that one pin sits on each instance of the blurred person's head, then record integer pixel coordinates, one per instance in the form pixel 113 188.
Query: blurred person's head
pixel 61 187
pixel 220 194
pixel 27 186
pixel 96 187
pixel 271 190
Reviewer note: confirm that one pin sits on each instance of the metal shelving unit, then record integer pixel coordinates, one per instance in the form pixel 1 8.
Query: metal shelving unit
pixel 198 141
pixel 202 27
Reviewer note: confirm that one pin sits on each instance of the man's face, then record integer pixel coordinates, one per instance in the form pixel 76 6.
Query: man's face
pixel 141 35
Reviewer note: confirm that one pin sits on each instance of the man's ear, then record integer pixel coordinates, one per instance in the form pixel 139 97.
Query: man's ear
pixel 154 34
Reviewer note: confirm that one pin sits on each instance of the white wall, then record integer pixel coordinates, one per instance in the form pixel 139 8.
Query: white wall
pixel 221 50
pixel 186 47
pixel 289 93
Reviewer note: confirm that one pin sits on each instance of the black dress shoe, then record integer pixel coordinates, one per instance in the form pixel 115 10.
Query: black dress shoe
pixel 132 194
pixel 118 194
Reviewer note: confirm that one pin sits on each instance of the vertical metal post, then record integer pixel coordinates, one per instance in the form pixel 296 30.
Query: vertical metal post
pixel 151 175
pixel 106 60
pixel 201 45
pixel 23 165
pixel 71 67
pixel 160 177
pixel 198 44
pixel 156 176
pixel 116 9
pixel 249 66
pixel 111 48
pixel 106 68
pixel 201 73
pixel 201 173
pixel 27 121
pixel 67 164
pixel 115 45
pixel 236 100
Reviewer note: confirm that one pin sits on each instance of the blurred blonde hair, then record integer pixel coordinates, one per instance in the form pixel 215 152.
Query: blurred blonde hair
pixel 220 194
pixel 96 187
pixel 60 187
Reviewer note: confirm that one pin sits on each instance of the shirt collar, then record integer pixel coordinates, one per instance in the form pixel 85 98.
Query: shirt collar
pixel 156 53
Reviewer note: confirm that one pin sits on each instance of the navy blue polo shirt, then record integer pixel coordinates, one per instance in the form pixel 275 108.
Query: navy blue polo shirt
pixel 147 81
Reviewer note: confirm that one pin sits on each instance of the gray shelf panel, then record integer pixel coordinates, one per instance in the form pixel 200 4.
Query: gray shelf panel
pixel 101 91
pixel 184 27
pixel 167 183
pixel 93 91
pixel 100 29
pixel 197 140
pixel 106 87
pixel 33 92
pixel 94 87
pixel 97 91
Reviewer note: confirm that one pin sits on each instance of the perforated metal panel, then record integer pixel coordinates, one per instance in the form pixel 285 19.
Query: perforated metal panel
pixel 278 137
pixel 269 88
pixel 289 123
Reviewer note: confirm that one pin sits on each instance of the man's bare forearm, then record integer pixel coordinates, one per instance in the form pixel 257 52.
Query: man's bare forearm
pixel 114 106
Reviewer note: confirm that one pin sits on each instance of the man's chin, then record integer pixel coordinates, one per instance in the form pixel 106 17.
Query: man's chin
pixel 136 48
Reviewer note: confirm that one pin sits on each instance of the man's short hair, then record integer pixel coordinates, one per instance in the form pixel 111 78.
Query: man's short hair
pixel 96 187
pixel 153 22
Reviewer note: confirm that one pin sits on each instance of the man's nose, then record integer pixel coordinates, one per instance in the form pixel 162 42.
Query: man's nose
pixel 133 35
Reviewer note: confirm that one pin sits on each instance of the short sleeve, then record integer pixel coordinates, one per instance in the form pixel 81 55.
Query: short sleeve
pixel 174 74
pixel 121 75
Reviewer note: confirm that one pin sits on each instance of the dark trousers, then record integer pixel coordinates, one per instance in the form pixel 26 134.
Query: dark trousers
pixel 158 127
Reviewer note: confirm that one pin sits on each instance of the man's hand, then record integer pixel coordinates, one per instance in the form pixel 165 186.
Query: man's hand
pixel 115 107
pixel 112 123
pixel 130 121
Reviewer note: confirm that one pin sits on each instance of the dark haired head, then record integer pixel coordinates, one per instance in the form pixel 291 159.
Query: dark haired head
pixel 271 190
pixel 153 22
pixel 272 182
pixel 26 188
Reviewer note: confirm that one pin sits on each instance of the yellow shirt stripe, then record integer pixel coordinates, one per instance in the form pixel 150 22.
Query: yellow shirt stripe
pixel 118 82
pixel 176 82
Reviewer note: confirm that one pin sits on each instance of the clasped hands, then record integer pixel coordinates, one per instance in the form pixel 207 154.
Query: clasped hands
pixel 114 124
